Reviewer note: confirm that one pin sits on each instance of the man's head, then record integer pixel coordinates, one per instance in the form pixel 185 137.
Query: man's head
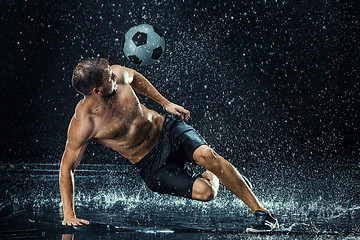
pixel 94 76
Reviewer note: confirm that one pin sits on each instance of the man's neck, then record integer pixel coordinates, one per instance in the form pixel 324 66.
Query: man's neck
pixel 98 102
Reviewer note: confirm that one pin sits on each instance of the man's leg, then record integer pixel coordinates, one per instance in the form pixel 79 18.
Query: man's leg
pixel 228 175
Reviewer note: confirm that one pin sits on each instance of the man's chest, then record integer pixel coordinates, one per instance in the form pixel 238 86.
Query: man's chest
pixel 116 122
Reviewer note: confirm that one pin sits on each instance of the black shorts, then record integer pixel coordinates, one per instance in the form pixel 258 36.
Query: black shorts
pixel 165 169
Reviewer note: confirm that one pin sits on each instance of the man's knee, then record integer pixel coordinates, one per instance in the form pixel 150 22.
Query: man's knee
pixel 203 190
pixel 209 194
pixel 206 157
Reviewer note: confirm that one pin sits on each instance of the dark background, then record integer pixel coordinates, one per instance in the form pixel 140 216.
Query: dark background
pixel 268 83
pixel 272 85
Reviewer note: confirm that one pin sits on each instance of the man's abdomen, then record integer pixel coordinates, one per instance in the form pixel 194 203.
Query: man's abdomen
pixel 143 136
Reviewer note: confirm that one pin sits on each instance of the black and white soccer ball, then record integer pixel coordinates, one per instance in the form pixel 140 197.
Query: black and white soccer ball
pixel 143 44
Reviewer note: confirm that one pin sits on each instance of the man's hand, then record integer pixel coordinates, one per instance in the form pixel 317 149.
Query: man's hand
pixel 73 221
pixel 178 111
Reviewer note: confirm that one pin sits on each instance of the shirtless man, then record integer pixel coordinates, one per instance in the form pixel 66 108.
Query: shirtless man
pixel 110 114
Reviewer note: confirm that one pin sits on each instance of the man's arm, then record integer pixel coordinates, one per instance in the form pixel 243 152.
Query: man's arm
pixel 78 135
pixel 143 86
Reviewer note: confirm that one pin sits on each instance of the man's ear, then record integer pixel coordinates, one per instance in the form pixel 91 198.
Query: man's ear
pixel 97 90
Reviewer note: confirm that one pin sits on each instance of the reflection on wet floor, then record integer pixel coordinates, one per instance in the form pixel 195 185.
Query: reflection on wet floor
pixel 116 202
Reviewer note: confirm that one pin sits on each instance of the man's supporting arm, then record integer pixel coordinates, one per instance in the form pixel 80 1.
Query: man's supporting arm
pixel 74 150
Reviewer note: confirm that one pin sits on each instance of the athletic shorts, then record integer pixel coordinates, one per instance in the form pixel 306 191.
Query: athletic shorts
pixel 165 169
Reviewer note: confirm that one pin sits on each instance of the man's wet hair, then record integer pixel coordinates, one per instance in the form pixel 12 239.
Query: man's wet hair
pixel 89 73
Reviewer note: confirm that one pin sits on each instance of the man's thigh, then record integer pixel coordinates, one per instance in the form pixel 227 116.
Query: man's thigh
pixel 185 140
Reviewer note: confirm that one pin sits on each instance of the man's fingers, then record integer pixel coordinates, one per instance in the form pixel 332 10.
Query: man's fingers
pixel 183 113
pixel 66 223
pixel 179 111
pixel 178 114
pixel 84 221
pixel 75 222
pixel 187 115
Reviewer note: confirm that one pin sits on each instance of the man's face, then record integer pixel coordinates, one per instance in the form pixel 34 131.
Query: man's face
pixel 109 83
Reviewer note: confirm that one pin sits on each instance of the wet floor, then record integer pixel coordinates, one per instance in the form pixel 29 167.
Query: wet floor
pixel 116 202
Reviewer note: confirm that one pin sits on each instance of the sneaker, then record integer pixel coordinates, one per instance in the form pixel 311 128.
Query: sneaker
pixel 265 222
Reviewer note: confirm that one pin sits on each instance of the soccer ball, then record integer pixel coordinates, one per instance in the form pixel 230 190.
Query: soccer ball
pixel 143 44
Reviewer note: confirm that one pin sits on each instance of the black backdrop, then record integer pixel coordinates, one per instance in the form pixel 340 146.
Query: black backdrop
pixel 265 81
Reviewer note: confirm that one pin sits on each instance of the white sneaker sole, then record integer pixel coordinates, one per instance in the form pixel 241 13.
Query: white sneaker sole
pixel 254 230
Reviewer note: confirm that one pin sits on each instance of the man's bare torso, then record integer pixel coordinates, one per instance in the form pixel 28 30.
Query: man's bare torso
pixel 123 123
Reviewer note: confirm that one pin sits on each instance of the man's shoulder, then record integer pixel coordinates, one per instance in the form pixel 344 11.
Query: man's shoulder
pixel 80 110
pixel 81 126
pixel 81 117
pixel 118 69
pixel 124 74
pixel 117 66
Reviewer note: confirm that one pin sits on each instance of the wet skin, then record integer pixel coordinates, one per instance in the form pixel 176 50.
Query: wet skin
pixel 113 116
pixel 123 123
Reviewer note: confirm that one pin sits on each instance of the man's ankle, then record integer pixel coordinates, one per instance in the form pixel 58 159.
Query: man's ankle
pixel 261 209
